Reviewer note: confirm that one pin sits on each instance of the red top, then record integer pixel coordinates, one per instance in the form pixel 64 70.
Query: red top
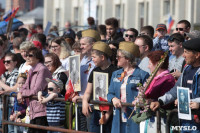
pixel 160 85
pixel 2 67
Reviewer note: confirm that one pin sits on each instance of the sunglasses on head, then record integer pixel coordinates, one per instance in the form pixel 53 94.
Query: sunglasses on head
pixel 7 61
pixel 127 35
pixel 179 29
pixel 29 55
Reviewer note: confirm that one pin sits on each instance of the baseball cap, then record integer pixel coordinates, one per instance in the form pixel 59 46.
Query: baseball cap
pixel 161 26
pixel 57 82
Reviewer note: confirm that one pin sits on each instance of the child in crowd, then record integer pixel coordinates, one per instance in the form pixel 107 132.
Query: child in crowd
pixel 101 53
pixel 19 109
pixel 55 109
pixel 160 41
pixel 76 47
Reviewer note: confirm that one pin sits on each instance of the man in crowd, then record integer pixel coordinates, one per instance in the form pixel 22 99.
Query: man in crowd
pixel 182 27
pixel 131 34
pixel 192 59
pixel 145 44
pixel 69 31
pixel 177 63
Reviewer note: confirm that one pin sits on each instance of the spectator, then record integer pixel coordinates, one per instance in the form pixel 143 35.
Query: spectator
pixel 91 23
pixel 35 83
pixel 62 50
pixel 16 47
pixel 8 80
pixel 54 30
pixel 114 35
pixel 160 41
pixel 55 109
pixel 2 56
pixel 177 63
pixel 130 34
pixel 145 44
pixel 100 56
pixel 69 31
pixel 25 67
pixel 193 34
pixel 78 35
pixel 77 49
pixel 23 33
pixel 39 28
pixel 182 27
pixel 147 30
pixel 121 86
pixel 52 62
pixel 102 31
pixel 192 59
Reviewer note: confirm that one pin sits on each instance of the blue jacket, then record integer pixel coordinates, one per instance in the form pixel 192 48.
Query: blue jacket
pixel 138 76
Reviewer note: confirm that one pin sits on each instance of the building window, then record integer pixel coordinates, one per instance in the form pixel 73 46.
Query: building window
pixel 166 7
pixel 57 17
pixel 141 14
pixel 117 13
pixel 76 16
pixel 173 6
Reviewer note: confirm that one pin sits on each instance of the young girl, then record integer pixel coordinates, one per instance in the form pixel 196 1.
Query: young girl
pixel 19 109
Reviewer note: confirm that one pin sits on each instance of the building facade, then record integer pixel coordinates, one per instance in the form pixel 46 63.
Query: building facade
pixel 130 13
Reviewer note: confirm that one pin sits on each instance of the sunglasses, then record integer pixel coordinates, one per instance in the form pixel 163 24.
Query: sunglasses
pixel 30 55
pixel 50 89
pixel 179 29
pixel 127 35
pixel 7 61
pixel 47 62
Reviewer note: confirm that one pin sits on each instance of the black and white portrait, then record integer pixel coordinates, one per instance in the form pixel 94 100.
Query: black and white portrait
pixel 74 71
pixel 183 103
pixel 100 85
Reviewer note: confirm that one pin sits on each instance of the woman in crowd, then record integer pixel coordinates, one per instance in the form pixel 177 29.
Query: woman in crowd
pixel 52 62
pixel 61 49
pixel 8 80
pixel 36 82
pixel 123 87
pixel 24 68
pixel 161 83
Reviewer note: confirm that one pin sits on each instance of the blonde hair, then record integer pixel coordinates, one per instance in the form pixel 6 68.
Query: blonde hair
pixel 26 45
pixel 22 75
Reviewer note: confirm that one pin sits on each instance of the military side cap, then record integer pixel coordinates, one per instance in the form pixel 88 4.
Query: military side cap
pixel 130 47
pixel 91 33
pixel 103 47
pixel 193 44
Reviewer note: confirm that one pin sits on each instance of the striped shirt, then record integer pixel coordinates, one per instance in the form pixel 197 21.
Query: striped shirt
pixel 55 112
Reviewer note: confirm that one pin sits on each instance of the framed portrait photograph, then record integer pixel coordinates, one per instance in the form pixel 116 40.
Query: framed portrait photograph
pixel 100 86
pixel 184 111
pixel 74 72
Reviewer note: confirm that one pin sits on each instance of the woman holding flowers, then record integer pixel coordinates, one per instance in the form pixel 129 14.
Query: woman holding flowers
pixel 123 87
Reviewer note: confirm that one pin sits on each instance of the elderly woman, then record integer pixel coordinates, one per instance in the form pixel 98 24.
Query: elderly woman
pixel 24 68
pixel 123 87
pixel 36 82
pixel 52 62
pixel 8 80
pixel 62 50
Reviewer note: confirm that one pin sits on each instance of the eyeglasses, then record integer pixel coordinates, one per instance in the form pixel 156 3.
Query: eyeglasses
pixel 119 57
pixel 53 47
pixel 7 61
pixel 47 62
pixel 30 55
pixel 179 29
pixel 127 35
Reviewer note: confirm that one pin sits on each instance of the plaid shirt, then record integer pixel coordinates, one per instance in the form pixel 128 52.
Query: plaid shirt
pixel 10 80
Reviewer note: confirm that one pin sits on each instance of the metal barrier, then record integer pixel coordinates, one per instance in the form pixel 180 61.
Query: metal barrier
pixel 5 121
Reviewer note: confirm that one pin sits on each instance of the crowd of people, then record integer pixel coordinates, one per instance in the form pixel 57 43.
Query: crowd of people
pixel 33 64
